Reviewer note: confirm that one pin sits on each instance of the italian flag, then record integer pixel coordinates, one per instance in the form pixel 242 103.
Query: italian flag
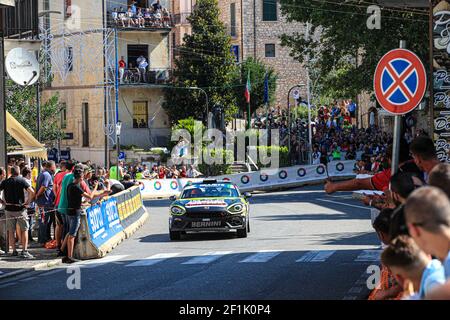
pixel 248 88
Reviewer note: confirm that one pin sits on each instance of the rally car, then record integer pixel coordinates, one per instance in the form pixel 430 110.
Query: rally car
pixel 209 206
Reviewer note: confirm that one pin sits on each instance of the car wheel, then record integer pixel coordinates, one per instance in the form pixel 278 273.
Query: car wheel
pixel 242 233
pixel 175 235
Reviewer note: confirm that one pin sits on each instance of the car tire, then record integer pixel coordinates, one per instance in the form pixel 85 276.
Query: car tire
pixel 175 235
pixel 242 233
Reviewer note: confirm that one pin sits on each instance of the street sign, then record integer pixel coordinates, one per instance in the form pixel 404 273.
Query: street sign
pixel 400 81
pixel 121 155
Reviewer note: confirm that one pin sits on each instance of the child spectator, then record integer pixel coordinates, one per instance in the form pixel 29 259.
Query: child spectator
pixel 410 264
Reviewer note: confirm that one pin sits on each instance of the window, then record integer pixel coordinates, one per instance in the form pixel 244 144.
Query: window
pixel 269 10
pixel 233 19
pixel 85 123
pixel 135 51
pixel 67 8
pixel 270 50
pixel 69 58
pixel 140 114
pixel 63 116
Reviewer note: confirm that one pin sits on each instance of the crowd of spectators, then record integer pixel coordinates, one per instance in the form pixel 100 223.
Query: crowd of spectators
pixel 413 223
pixel 50 200
pixel 155 16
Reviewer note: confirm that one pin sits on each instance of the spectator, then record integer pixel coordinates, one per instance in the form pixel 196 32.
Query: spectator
pixel 410 265
pixel 440 177
pixel 16 213
pixel 61 224
pixel 387 288
pixel 122 66
pixel 115 16
pixel 75 194
pixel 31 210
pixel 127 182
pixel 157 6
pixel 192 172
pixel 142 66
pixel 45 199
pixel 427 213
pixel 424 154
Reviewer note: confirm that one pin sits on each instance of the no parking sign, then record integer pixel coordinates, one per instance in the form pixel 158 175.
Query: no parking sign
pixel 400 81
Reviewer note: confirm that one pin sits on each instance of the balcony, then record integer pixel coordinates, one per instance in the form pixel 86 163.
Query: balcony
pixel 153 22
pixel 152 77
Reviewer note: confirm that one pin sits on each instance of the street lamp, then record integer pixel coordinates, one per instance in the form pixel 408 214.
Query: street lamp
pixel 118 129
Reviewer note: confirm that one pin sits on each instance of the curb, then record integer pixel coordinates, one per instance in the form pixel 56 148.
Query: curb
pixel 39 266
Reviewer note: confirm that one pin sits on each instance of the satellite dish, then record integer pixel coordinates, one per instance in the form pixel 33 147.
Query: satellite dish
pixel 22 66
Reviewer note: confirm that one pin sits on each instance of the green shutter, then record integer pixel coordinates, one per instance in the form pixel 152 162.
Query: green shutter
pixel 269 10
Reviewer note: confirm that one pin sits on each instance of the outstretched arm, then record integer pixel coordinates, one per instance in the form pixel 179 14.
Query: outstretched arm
pixel 349 185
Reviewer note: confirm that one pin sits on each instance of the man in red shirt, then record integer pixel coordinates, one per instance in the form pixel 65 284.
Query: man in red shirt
pixel 65 167
pixel 122 66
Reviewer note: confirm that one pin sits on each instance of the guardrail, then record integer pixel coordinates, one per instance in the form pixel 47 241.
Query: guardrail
pixel 105 225
pixel 265 179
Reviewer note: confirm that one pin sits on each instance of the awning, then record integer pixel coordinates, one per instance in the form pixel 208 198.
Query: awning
pixel 30 146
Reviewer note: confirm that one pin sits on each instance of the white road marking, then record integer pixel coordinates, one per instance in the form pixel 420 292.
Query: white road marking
pixel 207 258
pixel 316 256
pixel 98 262
pixel 369 256
pixel 154 259
pixel 261 256
pixel 345 204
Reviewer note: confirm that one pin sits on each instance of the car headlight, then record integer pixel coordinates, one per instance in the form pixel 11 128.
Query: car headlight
pixel 176 210
pixel 236 208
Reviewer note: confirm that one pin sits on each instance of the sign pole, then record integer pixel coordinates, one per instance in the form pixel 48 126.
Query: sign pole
pixel 397 132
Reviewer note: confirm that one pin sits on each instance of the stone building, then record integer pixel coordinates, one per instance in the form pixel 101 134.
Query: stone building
pixel 256 27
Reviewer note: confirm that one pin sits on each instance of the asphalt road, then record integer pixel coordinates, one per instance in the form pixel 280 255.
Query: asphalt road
pixel 303 244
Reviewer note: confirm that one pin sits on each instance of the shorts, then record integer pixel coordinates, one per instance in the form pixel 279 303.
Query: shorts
pixel 14 218
pixel 59 218
pixel 74 223
pixel 352 114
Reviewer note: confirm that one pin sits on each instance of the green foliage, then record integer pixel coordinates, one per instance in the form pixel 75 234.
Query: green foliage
pixel 21 103
pixel 258 71
pixel 186 124
pixel 344 57
pixel 283 153
pixel 206 61
pixel 302 112
pixel 217 169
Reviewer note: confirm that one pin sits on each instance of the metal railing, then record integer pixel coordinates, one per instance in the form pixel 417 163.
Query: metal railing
pixel 153 76
pixel 151 23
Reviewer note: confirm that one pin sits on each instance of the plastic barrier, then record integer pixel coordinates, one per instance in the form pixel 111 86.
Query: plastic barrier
pixel 265 179
pixel 105 225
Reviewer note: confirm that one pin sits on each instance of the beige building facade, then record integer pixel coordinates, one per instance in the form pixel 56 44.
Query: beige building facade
pixel 81 60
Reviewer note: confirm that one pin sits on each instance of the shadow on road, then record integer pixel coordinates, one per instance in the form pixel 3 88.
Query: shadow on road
pixel 204 236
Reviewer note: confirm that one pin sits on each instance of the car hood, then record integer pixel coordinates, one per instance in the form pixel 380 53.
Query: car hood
pixel 218 204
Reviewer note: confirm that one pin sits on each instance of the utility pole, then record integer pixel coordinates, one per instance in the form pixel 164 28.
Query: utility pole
pixel 3 152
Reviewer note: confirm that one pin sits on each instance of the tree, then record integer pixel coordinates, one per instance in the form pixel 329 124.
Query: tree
pixel 258 71
pixel 205 60
pixel 343 49
pixel 21 103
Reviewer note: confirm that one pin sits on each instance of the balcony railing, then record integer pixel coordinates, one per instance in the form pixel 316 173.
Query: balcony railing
pixel 21 21
pixel 154 76
pixel 153 22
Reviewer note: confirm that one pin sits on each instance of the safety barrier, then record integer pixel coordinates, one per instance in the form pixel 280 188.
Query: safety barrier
pixel 265 179
pixel 105 225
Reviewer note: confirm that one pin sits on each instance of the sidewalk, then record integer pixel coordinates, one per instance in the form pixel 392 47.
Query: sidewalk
pixel 11 266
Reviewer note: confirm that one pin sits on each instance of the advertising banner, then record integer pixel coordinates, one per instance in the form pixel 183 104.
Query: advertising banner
pixel 441 77
pixel 103 221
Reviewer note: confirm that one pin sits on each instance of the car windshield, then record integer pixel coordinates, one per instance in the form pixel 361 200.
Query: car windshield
pixel 210 191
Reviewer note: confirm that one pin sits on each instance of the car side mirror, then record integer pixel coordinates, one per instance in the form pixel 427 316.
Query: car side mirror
pixel 247 195
pixel 172 198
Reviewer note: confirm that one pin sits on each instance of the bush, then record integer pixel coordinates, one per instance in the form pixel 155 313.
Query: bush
pixel 217 169
pixel 283 153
